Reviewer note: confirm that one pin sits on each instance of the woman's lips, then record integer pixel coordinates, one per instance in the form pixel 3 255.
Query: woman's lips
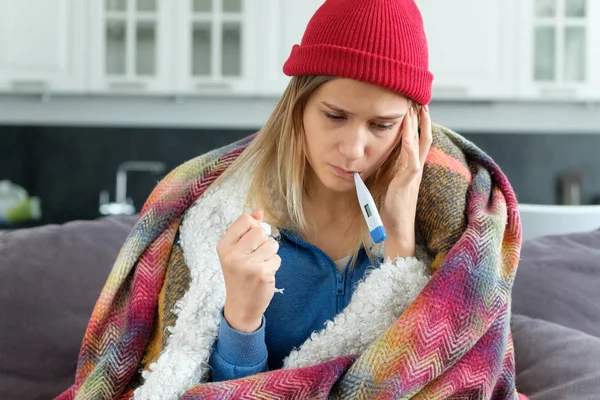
pixel 342 173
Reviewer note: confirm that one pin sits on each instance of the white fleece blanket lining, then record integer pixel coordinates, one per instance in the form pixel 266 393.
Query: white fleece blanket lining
pixel 380 298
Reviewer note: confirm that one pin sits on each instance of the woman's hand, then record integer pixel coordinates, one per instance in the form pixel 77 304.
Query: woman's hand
pixel 400 206
pixel 249 262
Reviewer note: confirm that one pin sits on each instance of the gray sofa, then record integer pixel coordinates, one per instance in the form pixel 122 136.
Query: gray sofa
pixel 51 276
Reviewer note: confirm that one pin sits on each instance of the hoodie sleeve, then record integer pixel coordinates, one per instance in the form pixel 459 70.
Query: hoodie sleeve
pixel 238 354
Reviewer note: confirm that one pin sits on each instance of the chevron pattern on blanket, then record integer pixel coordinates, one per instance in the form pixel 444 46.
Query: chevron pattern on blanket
pixel 453 341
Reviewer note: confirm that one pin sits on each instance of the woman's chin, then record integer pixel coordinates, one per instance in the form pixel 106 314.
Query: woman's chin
pixel 337 184
pixel 328 179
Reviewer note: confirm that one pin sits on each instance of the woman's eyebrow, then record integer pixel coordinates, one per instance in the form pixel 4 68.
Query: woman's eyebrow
pixel 336 108
pixel 391 116
pixel 341 110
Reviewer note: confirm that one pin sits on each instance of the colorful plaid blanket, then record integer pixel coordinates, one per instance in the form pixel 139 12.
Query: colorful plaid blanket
pixel 453 341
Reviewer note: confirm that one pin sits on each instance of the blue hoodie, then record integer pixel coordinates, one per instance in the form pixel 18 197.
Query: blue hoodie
pixel 315 292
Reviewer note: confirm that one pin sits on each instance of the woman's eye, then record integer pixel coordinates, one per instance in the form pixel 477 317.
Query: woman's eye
pixel 384 127
pixel 334 117
pixel 381 127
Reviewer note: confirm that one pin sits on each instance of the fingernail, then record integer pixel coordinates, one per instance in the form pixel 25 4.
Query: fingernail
pixel 426 108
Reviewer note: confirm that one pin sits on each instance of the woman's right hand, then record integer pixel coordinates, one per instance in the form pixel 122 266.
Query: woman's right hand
pixel 249 261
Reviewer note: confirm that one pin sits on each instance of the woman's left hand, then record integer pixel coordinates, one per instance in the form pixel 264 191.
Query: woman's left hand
pixel 400 206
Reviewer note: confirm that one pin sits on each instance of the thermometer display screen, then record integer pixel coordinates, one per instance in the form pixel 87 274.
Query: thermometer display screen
pixel 368 210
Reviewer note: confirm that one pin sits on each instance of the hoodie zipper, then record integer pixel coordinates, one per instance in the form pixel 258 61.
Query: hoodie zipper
pixel 341 290
pixel 340 277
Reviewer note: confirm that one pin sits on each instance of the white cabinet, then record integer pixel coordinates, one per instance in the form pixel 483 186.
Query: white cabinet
pixel 217 46
pixel 560 49
pixel 182 47
pixel 479 49
pixel 130 46
pixel 42 45
pixel 286 22
pixel 471 47
pixel 471 57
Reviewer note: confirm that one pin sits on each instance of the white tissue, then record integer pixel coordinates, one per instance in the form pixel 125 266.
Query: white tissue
pixel 267 229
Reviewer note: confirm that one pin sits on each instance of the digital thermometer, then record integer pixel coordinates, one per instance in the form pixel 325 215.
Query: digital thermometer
pixel 369 210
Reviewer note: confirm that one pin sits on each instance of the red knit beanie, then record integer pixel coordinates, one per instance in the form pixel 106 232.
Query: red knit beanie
pixel 375 41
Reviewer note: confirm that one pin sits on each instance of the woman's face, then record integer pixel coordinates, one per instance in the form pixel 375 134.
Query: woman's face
pixel 351 126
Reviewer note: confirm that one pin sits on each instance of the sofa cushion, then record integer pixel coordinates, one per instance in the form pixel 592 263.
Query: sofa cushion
pixel 554 362
pixel 558 280
pixel 50 279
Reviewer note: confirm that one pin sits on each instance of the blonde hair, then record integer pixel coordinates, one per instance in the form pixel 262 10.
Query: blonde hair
pixel 277 159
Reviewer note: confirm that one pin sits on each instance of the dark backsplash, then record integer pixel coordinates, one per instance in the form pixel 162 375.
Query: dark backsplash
pixel 67 167
pixel 533 163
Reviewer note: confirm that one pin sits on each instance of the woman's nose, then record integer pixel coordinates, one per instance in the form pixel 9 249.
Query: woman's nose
pixel 352 144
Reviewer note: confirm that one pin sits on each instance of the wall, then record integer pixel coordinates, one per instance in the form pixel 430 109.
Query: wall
pixel 67 167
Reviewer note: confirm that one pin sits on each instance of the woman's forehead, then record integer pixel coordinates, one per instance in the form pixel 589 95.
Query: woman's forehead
pixel 359 97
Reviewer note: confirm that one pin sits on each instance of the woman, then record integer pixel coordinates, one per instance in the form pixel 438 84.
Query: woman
pixel 192 302
pixel 345 126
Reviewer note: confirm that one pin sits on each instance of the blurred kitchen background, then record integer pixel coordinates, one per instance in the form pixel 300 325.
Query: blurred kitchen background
pixel 99 99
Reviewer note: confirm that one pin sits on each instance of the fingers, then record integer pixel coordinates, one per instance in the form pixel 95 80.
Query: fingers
pixel 252 240
pixel 416 165
pixel 267 258
pixel 258 215
pixel 241 226
pixel 266 250
pixel 426 135
pixel 415 124
pixel 270 267
pixel 410 142
pixel 403 159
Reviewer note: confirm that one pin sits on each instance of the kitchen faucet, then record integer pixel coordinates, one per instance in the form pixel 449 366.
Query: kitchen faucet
pixel 124 205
